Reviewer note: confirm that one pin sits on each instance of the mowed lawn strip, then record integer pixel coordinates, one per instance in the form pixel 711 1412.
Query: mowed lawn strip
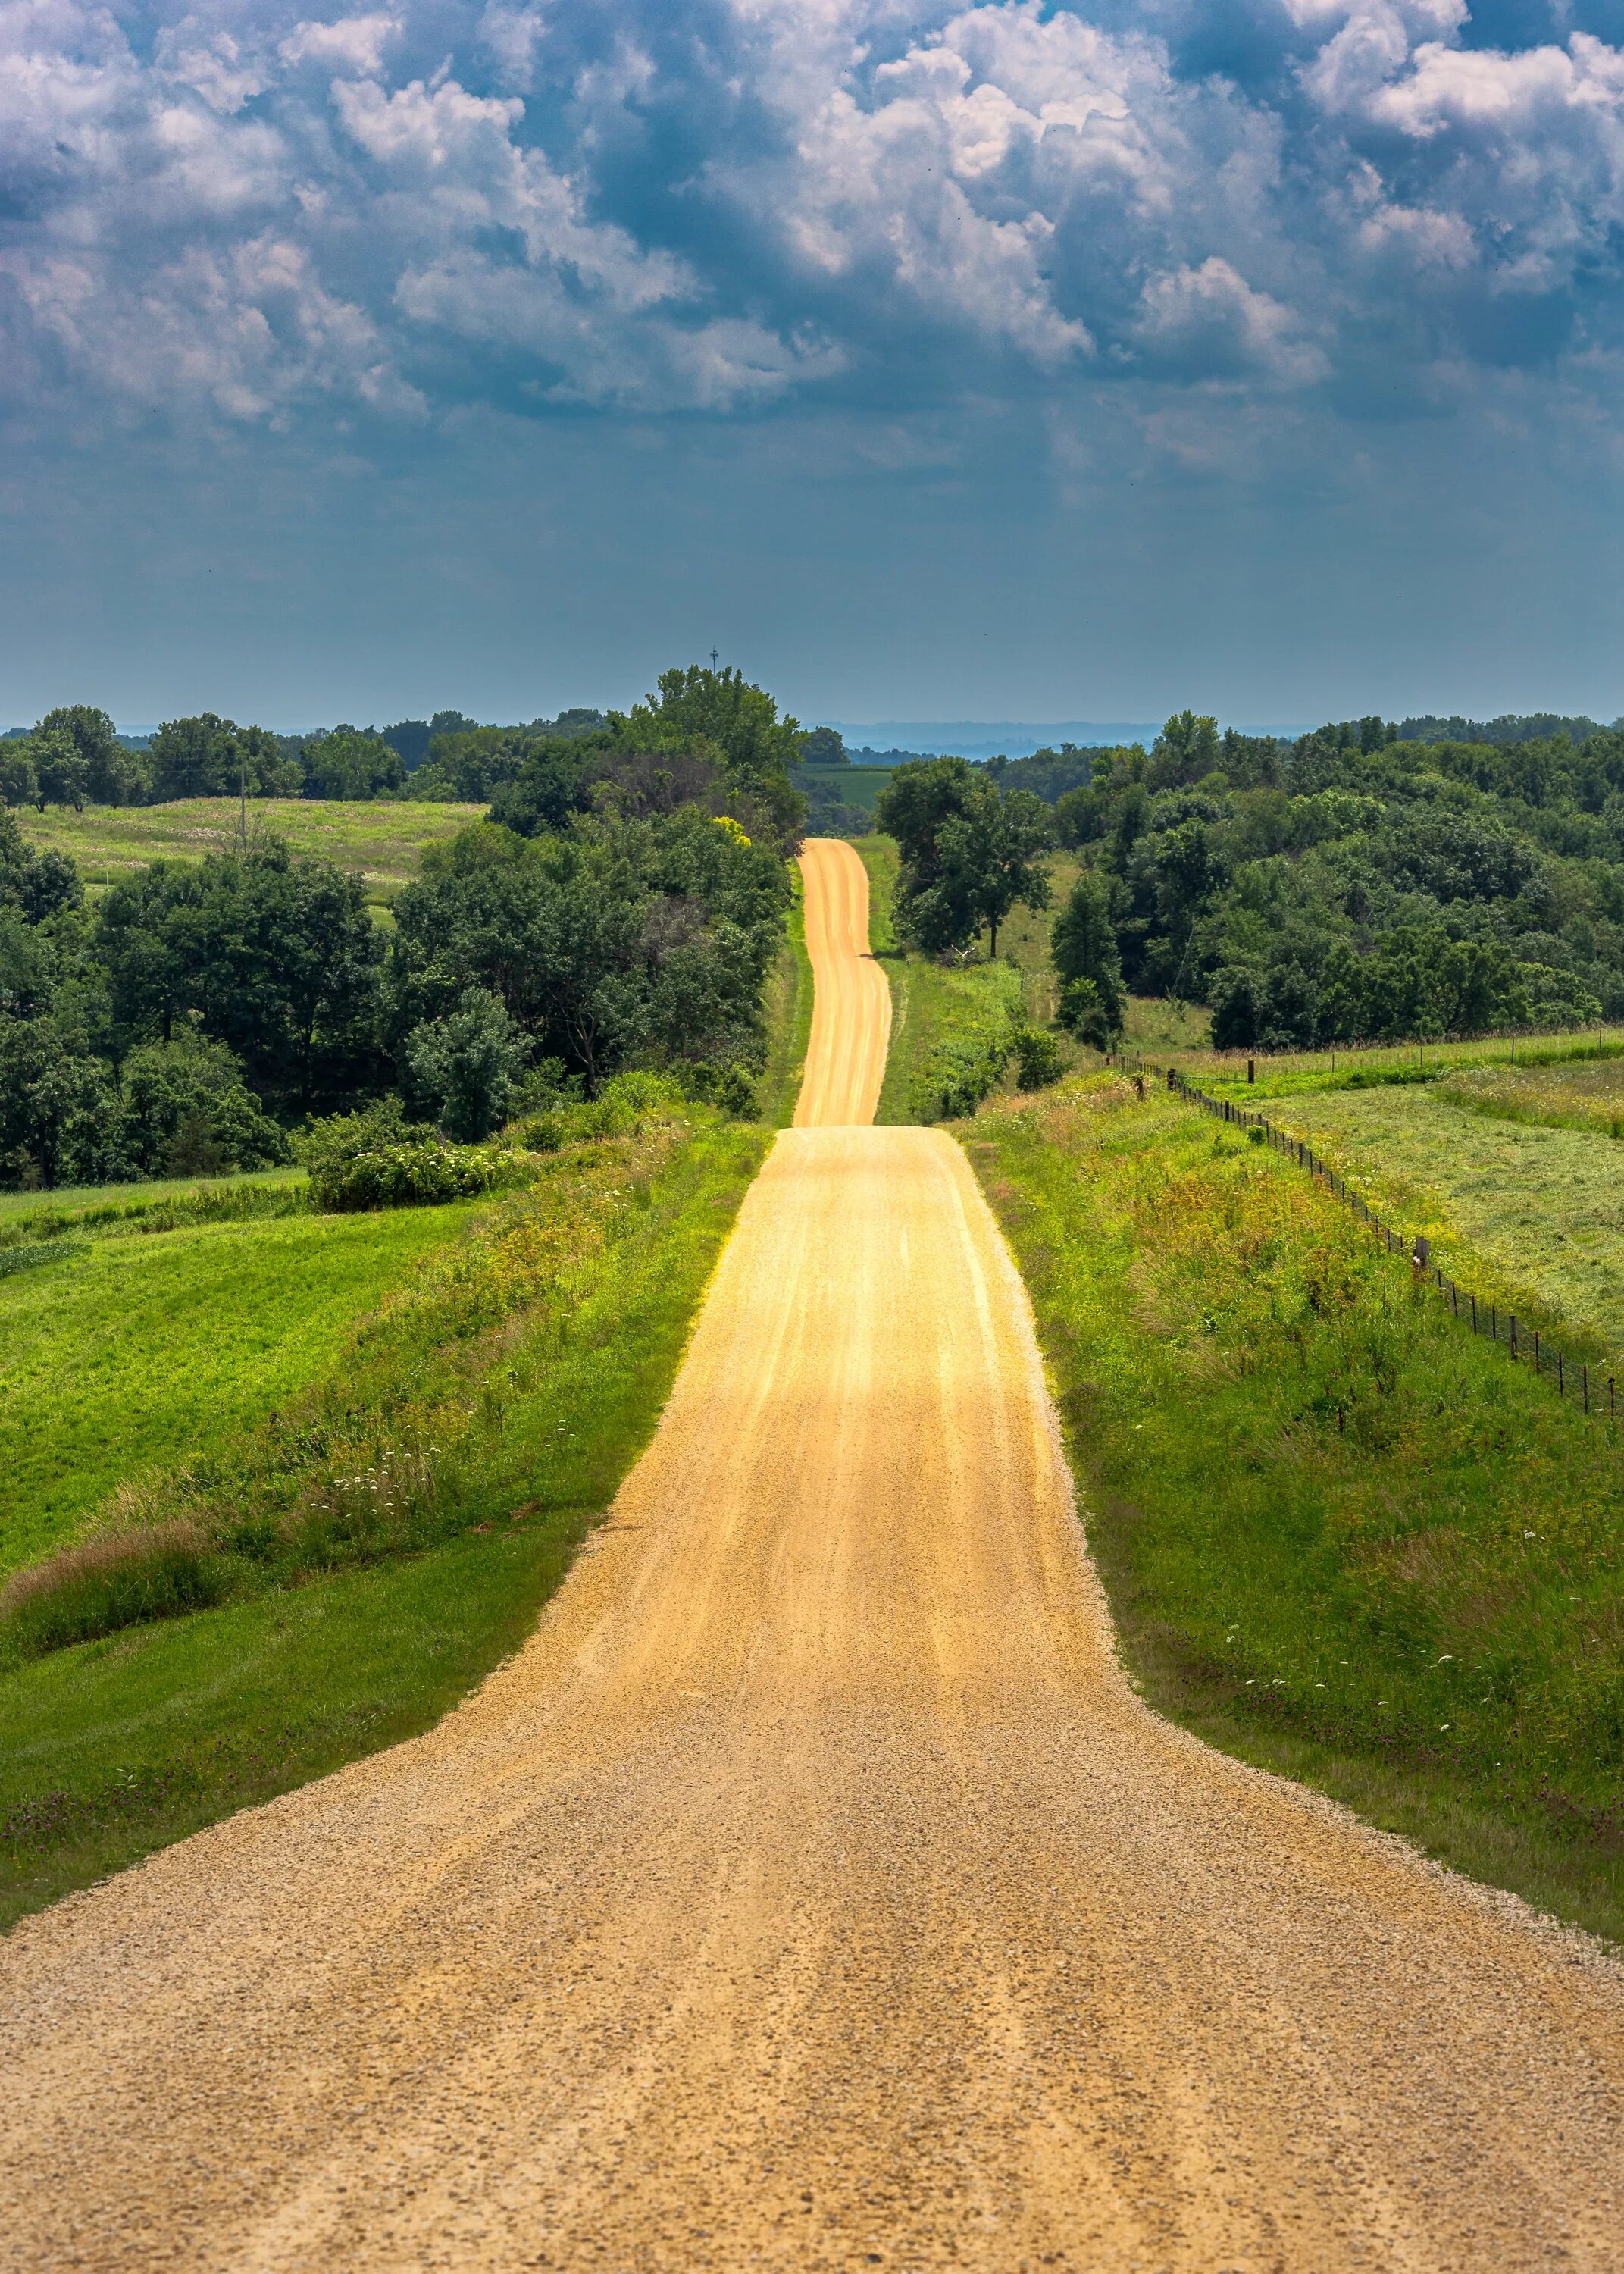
pixel 142 1350
pixel 1341 1538
pixel 1530 1218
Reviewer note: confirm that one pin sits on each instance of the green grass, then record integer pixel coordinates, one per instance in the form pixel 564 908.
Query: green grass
pixel 18 1210
pixel 128 1354
pixel 1529 1218
pixel 381 839
pixel 119 1747
pixel 948 1027
pixel 1340 1537
pixel 857 786
pixel 532 1368
pixel 1589 1096
pixel 1293 1072
pixel 788 1006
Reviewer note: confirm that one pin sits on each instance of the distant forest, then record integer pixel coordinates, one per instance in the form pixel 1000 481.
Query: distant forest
pixel 620 904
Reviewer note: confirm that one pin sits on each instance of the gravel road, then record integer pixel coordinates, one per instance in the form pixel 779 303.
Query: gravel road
pixel 813 1891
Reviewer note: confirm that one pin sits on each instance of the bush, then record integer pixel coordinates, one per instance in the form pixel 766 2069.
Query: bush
pixel 1038 1058
pixel 121 1580
pixel 624 1107
pixel 378 1159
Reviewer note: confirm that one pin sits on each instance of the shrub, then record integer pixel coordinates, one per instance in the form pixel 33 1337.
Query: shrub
pixel 377 1159
pixel 121 1579
pixel 624 1107
pixel 1038 1058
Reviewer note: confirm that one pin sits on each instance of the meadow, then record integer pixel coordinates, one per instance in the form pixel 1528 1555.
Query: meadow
pixel 1572 1095
pixel 857 786
pixel 1530 1216
pixel 372 1546
pixel 126 1350
pixel 382 839
pixel 1339 1537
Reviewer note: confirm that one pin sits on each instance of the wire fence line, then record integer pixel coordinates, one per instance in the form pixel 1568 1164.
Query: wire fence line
pixel 1593 1393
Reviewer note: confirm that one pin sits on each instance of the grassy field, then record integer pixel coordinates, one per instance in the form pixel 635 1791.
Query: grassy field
pixel 857 786
pixel 390 1534
pixel 1530 1218
pixel 22 1212
pixel 381 839
pixel 1290 1072
pixel 122 1352
pixel 1589 1096
pixel 1341 1538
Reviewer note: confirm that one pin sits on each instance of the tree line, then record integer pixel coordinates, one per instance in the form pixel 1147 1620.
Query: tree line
pixel 1352 885
pixel 619 908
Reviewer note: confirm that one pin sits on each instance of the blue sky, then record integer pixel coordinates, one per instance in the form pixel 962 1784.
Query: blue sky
pixel 1019 361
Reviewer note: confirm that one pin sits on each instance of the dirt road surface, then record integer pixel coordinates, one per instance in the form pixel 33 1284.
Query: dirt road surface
pixel 812 1892
pixel 851 1004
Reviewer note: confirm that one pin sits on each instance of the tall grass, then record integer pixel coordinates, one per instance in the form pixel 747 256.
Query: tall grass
pixel 1580 1096
pixel 1527 1216
pixel 1340 1535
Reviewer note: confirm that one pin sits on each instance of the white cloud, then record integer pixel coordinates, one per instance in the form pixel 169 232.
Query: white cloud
pixel 356 43
pixel 418 205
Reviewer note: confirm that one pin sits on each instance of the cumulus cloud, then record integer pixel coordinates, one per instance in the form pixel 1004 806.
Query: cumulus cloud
pixel 398 212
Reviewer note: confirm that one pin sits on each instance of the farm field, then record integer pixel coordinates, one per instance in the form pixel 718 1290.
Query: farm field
pixel 1528 1216
pixel 19 1210
pixel 857 786
pixel 382 838
pixel 1583 1096
pixel 131 1351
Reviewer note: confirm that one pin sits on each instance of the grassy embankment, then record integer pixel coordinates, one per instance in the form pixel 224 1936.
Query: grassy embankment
pixel 387 1434
pixel 1339 1537
pixel 944 1023
pixel 383 839
pixel 390 1532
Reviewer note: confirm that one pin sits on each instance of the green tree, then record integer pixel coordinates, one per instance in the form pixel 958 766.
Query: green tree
pixel 113 775
pixel 1186 750
pixel 721 710
pixel 348 764
pixel 194 758
pixel 465 1067
pixel 185 1111
pixel 19 785
pixel 61 774
pixel 278 958
pixel 991 855
pixel 1084 946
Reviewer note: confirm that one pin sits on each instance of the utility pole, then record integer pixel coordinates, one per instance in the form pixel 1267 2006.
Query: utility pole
pixel 713 656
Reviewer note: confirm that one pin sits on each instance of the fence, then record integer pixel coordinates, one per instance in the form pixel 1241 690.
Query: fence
pixel 1596 1394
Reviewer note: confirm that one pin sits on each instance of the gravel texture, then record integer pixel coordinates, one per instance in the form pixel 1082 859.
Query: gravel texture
pixel 814 1892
